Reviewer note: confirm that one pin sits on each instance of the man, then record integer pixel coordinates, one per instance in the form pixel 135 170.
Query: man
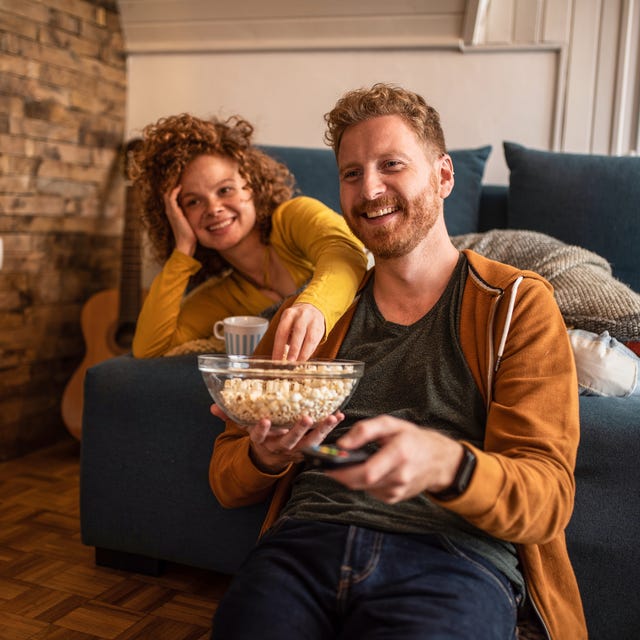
pixel 454 527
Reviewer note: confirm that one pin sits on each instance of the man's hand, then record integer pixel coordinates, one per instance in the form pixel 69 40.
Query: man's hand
pixel 183 234
pixel 218 412
pixel 301 327
pixel 410 460
pixel 273 450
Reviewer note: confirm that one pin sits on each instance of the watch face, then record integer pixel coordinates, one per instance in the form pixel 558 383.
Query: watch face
pixel 466 470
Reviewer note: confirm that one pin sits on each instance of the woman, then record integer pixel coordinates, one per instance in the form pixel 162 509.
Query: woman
pixel 221 217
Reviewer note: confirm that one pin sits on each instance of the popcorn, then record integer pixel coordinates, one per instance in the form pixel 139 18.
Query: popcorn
pixel 285 400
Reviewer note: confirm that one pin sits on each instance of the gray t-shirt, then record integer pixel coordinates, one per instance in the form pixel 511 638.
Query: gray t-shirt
pixel 417 373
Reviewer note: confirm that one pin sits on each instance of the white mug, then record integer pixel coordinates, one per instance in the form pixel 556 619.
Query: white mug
pixel 241 334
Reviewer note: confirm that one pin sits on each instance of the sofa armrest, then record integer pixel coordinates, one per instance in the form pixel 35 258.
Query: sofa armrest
pixel 147 440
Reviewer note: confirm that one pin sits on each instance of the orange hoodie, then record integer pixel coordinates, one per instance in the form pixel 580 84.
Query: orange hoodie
pixel 516 345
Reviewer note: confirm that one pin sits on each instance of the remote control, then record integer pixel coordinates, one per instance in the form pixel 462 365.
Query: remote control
pixel 330 456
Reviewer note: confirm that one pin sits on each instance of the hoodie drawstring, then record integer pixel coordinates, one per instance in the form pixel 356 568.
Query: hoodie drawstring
pixel 507 323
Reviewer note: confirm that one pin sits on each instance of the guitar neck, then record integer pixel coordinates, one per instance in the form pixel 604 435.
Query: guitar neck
pixel 131 265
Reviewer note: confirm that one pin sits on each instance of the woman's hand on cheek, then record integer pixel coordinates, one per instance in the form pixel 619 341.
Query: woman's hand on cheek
pixel 183 234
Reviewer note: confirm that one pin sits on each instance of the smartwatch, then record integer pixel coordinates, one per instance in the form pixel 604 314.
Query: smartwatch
pixel 462 478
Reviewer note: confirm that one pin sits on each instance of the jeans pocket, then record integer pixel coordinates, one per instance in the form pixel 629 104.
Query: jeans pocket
pixel 484 566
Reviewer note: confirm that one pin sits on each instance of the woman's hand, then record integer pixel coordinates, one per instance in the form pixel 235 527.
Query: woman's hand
pixel 299 332
pixel 183 234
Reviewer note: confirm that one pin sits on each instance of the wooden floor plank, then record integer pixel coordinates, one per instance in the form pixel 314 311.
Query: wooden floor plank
pixel 19 627
pixel 50 587
pixel 161 629
pixel 58 633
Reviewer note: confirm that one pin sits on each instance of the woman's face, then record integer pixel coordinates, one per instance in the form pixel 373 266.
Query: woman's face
pixel 216 202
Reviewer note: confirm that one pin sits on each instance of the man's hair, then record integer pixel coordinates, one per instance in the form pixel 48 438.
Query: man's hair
pixel 385 100
pixel 170 144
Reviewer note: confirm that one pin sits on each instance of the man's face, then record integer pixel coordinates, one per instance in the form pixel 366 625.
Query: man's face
pixel 390 185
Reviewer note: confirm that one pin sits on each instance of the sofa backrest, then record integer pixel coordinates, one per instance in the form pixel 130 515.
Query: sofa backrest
pixel 474 207
pixel 315 171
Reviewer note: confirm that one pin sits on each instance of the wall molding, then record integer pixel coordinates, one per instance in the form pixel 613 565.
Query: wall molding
pixel 175 26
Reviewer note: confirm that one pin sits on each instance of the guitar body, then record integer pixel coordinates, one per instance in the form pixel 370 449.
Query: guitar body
pixel 105 337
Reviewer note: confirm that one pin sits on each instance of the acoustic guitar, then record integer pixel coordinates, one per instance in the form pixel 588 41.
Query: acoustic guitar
pixel 108 318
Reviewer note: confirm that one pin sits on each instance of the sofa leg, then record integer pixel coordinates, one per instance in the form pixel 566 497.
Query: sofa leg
pixel 131 562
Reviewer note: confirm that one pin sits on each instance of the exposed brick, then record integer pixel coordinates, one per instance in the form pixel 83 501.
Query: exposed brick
pixel 62 111
pixel 31 11
pixel 22 165
pixel 32 204
pixel 82 9
pixel 22 184
pixel 13 105
pixel 77 45
pixel 31 88
pixel 65 21
pixel 18 24
pixel 43 130
pixel 16 66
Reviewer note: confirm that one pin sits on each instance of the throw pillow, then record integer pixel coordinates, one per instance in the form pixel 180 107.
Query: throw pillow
pixel 589 297
pixel 317 176
pixel 586 200
pixel 462 207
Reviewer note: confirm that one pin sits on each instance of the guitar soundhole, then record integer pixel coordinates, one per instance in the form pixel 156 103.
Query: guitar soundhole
pixel 124 335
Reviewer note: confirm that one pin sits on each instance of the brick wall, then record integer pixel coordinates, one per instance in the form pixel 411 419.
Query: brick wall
pixel 62 112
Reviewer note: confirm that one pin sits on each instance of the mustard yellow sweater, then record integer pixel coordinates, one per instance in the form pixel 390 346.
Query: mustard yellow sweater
pixel 312 241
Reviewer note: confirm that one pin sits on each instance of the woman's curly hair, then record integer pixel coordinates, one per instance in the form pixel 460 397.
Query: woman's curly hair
pixel 384 100
pixel 169 145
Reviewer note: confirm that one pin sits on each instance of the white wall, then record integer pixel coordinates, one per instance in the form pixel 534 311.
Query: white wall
pixel 552 74
pixel 287 107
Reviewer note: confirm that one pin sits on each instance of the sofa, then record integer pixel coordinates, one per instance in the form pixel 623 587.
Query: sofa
pixel 148 433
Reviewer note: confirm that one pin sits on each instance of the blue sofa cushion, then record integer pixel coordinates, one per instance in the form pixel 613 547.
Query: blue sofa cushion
pixel 316 175
pixel 315 172
pixel 462 207
pixel 586 200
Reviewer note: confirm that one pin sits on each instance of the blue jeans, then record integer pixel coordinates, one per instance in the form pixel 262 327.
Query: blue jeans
pixel 317 581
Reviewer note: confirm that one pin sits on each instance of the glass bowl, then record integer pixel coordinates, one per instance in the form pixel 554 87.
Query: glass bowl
pixel 248 388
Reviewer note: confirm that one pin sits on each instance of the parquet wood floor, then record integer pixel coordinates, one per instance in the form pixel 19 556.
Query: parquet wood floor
pixel 50 587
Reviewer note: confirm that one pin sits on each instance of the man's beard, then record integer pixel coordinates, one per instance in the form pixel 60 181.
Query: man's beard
pixel 418 217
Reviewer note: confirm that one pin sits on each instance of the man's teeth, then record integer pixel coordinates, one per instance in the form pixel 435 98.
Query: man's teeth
pixel 381 212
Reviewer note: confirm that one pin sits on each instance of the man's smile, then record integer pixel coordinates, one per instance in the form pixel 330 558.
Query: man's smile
pixel 383 211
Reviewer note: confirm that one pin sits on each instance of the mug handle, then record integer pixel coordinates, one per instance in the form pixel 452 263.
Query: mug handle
pixel 218 330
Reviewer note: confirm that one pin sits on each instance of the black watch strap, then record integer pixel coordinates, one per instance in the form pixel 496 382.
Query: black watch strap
pixel 462 478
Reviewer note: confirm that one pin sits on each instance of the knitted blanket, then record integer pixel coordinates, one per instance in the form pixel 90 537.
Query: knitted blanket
pixel 588 295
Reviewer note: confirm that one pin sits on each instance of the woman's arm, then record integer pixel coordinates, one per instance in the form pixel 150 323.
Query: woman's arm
pixel 309 236
pixel 157 326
